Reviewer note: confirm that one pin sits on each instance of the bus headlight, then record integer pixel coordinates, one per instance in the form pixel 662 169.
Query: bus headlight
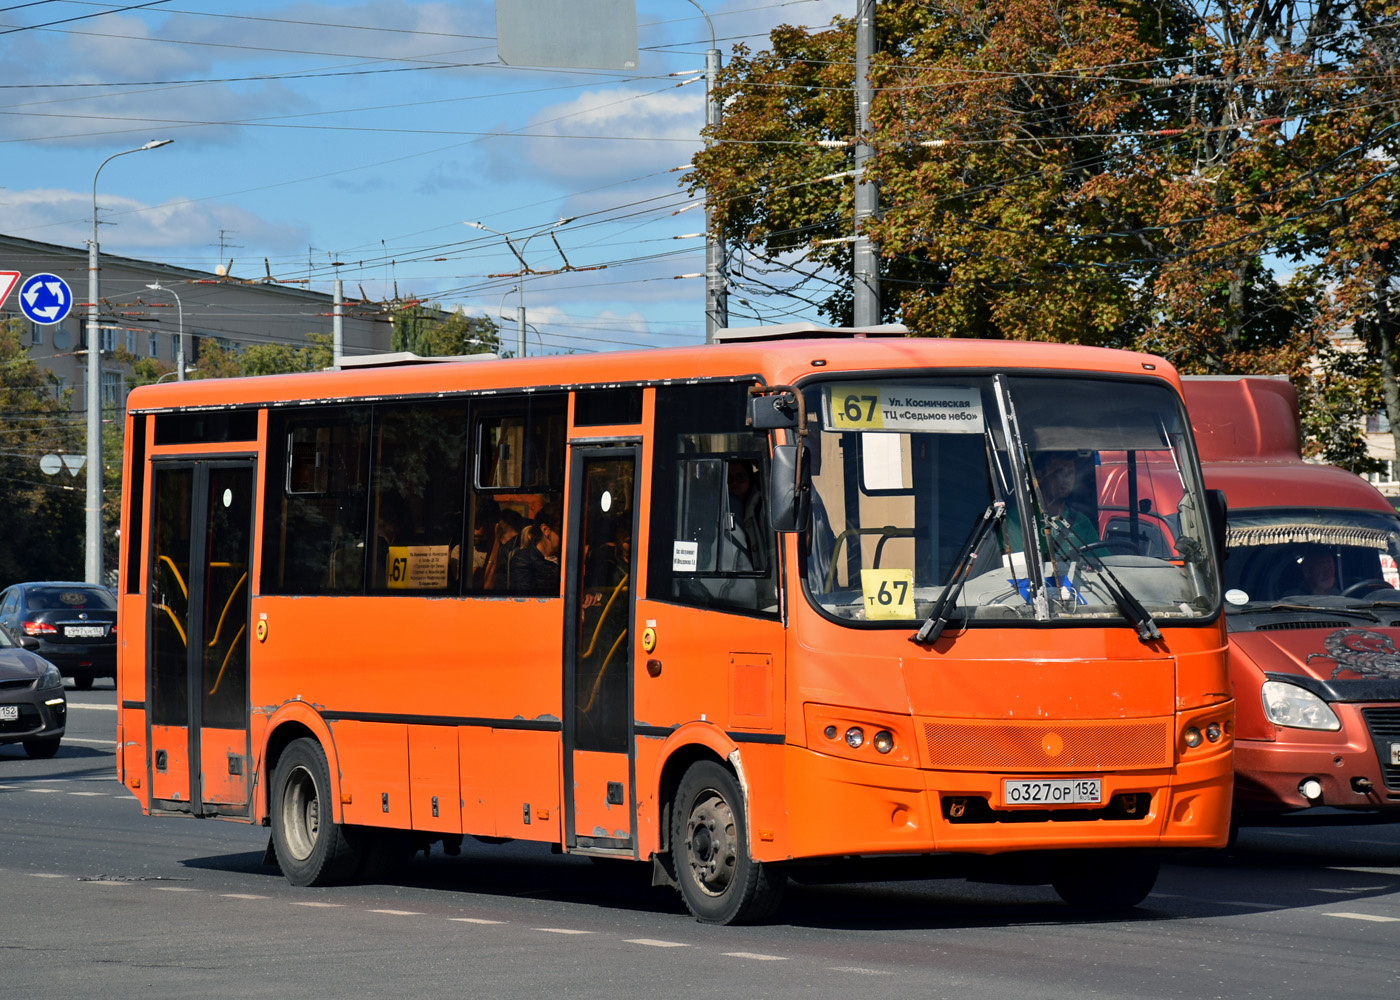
pixel 1289 705
pixel 883 741
pixel 855 736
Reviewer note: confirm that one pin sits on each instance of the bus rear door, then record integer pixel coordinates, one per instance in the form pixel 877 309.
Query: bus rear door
pixel 197 617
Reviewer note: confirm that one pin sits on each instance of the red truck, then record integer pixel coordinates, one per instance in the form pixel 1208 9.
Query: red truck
pixel 1312 595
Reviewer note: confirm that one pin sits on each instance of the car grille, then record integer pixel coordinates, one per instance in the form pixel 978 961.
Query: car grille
pixel 1384 724
pixel 28 720
pixel 17 684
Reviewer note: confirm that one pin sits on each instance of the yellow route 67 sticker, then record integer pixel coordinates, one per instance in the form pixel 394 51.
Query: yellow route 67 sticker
pixel 888 593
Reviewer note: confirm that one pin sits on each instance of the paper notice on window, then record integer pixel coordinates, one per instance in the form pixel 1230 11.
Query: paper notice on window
pixel 418 567
pixel 685 557
pixel 930 409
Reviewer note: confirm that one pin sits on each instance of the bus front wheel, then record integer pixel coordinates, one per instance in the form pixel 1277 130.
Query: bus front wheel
pixel 719 882
pixel 1105 881
pixel 311 848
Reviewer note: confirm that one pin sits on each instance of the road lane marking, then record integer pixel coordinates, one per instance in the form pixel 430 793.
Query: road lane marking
pixel 857 970
pixel 98 794
pixel 175 888
pixel 326 905
pixel 755 956
pixel 46 875
pixel 45 791
pixel 1364 916
pixel 1352 892
pixel 92 708
pixel 474 920
pixel 399 913
pixel 561 930
pixel 96 743
pixel 653 943
pixel 241 895
pixel 1253 906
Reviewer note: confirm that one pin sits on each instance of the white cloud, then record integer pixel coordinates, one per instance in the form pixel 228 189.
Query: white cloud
pixel 130 227
pixel 639 131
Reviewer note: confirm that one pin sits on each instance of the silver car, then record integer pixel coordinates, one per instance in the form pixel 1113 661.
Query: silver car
pixel 33 708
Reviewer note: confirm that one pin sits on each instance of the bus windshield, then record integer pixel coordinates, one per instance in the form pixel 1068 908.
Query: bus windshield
pixel 922 485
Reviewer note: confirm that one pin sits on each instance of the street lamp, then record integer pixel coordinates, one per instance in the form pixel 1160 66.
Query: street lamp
pixel 93 545
pixel 155 286
pixel 525 269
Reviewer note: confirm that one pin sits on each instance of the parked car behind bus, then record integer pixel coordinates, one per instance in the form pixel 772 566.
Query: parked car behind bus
pixel 75 624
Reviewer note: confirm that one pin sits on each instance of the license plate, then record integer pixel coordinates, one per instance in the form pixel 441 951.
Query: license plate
pixel 9 713
pixel 1050 791
pixel 1395 754
pixel 84 631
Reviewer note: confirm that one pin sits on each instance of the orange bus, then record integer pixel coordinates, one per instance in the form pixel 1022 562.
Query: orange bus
pixel 738 611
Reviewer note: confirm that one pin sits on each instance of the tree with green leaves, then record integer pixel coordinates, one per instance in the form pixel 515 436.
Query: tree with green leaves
pixel 44 520
pixel 424 329
pixel 1210 181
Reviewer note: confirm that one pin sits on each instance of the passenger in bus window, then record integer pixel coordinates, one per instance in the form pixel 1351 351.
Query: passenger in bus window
pixel 535 568
pixel 746 506
pixel 507 543
pixel 488 514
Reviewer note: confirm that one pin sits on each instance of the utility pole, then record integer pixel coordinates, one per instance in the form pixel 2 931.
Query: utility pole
pixel 716 289
pixel 867 198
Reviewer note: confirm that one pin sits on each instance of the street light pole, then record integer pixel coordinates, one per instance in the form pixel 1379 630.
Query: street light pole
pixel 179 337
pixel 525 269
pixel 93 543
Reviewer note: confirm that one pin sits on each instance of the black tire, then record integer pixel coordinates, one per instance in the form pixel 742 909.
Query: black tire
pixel 1106 881
pixel 718 880
pixel 83 683
pixel 311 849
pixel 42 749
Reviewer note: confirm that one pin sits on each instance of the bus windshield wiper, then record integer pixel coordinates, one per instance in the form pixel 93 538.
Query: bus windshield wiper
pixel 1128 605
pixel 938 616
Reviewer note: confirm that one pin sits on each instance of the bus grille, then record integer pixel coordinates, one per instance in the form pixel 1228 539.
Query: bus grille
pixel 1044 746
pixel 1384 724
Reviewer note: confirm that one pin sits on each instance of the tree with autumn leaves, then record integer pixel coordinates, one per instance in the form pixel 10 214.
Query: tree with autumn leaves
pixel 1214 182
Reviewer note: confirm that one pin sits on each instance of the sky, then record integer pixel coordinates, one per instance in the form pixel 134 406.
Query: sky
pixel 357 139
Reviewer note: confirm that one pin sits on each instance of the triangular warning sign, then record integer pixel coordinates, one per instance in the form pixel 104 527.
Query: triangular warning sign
pixel 73 463
pixel 8 280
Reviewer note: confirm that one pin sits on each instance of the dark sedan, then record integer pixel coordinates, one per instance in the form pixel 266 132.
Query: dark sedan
pixel 75 625
pixel 33 709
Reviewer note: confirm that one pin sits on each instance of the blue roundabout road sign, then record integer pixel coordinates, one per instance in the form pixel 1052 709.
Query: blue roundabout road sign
pixel 45 298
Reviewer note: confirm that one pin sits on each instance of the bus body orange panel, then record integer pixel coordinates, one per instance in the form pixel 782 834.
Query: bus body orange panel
pixel 510 783
pixel 373 759
pixel 172 782
pixel 223 775
pixel 733 679
pixel 599 777
pixel 434 782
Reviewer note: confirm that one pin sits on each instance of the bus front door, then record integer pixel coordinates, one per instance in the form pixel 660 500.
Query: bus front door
pixel 197 660
pixel 599 783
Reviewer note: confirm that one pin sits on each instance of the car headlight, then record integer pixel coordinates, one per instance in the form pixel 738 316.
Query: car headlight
pixel 1289 705
pixel 50 678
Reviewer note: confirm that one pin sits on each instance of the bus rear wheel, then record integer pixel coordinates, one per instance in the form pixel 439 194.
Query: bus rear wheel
pixel 719 882
pixel 311 848
pixel 1105 881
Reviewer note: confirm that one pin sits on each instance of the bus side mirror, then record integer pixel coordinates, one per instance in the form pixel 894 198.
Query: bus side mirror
pixel 773 410
pixel 789 489
pixel 1215 510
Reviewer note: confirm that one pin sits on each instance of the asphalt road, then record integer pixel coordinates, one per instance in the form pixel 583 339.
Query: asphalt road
pixel 99 901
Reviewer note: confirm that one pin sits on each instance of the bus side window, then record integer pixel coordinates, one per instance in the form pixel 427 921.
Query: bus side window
pixel 711 542
pixel 419 482
pixel 314 534
pixel 518 473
